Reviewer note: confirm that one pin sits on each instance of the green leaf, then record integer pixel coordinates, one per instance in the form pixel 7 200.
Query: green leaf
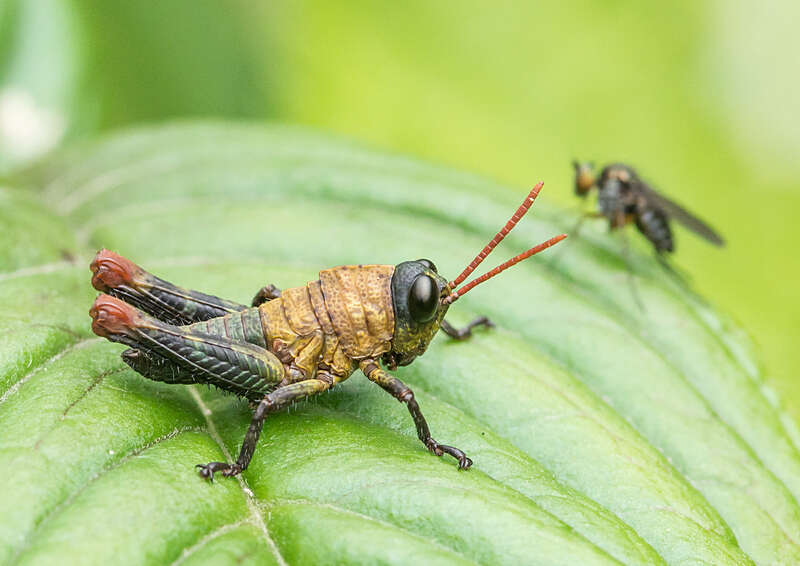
pixel 601 432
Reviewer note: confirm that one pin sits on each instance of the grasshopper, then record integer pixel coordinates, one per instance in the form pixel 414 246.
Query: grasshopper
pixel 291 344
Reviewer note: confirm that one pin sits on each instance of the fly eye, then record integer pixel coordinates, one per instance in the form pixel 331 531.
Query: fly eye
pixel 428 263
pixel 423 298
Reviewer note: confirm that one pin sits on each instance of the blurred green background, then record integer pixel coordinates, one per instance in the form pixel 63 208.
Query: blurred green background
pixel 700 96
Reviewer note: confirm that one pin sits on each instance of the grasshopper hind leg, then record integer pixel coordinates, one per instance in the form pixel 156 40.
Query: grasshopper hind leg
pixel 155 367
pixel 123 279
pixel 175 354
pixel 185 354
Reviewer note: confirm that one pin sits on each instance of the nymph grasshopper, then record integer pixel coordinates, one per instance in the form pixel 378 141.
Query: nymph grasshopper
pixel 289 344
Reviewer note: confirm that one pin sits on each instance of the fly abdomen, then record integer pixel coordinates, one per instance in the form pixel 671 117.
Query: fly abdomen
pixel 653 223
pixel 243 325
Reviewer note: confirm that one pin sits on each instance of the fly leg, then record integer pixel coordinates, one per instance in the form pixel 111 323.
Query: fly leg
pixel 585 215
pixel 574 232
pixel 466 332
pixel 184 354
pixel 681 277
pixel 121 278
pixel 402 393
pixel 275 401
pixel 626 256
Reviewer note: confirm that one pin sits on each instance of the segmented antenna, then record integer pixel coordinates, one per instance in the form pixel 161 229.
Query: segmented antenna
pixel 523 208
pixel 502 267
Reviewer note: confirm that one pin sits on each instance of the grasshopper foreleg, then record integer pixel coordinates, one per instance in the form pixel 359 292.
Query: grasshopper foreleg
pixel 466 332
pixel 403 393
pixel 275 401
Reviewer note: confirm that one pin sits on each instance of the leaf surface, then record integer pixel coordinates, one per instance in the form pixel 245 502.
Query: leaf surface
pixel 602 433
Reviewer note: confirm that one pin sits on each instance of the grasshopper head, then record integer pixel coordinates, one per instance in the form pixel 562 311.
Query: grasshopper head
pixel 421 296
pixel 418 294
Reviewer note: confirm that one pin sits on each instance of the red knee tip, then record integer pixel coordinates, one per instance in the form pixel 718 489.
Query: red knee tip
pixel 112 270
pixel 112 316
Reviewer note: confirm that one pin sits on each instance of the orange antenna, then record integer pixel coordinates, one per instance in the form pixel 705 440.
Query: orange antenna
pixel 502 267
pixel 523 208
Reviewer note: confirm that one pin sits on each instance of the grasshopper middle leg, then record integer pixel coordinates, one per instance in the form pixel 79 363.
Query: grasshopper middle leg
pixel 275 401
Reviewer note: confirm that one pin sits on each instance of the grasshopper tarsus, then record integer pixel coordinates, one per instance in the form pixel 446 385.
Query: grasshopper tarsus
pixel 464 462
pixel 207 470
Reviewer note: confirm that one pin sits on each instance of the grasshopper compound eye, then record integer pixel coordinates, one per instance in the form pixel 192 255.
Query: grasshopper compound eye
pixel 423 298
pixel 516 217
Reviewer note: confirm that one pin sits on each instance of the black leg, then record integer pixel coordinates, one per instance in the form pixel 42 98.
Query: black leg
pixel 275 401
pixel 152 366
pixel 181 354
pixel 466 332
pixel 266 293
pixel 121 278
pixel 402 393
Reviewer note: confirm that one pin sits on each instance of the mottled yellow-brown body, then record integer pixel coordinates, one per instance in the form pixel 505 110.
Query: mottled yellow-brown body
pixel 325 327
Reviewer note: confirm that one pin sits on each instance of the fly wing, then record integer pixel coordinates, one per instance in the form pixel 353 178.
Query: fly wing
pixel 682 215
